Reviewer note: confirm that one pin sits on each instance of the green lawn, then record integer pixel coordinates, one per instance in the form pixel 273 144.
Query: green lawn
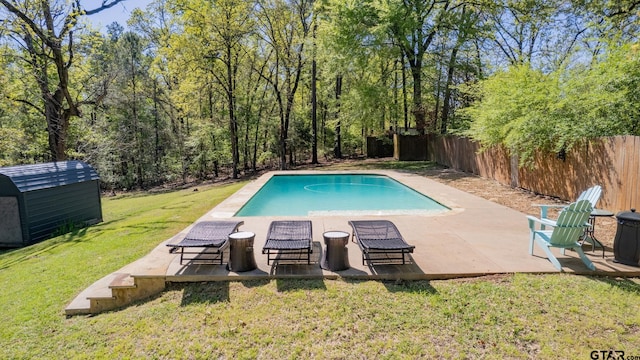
pixel 511 316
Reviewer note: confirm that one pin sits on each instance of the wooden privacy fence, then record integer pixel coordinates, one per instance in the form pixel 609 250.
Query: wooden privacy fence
pixel 612 162
pixel 379 147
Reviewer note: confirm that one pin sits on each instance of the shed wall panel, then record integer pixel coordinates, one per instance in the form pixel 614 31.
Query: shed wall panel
pixel 7 187
pixel 10 227
pixel 64 207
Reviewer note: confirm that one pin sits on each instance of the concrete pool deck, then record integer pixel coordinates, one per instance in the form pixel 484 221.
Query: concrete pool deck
pixel 476 238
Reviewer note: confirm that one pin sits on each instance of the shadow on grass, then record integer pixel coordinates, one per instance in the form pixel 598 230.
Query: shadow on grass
pixel 284 285
pixel 15 256
pixel 11 257
pixel 410 286
pixel 623 284
pixel 255 283
pixel 203 293
pixel 394 286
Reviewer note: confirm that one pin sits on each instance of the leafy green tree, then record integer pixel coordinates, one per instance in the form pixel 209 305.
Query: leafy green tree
pixel 527 110
pixel 284 26
pixel 45 30
pixel 222 27
pixel 463 24
pixel 412 26
pixel 16 144
pixel 160 25
pixel 516 108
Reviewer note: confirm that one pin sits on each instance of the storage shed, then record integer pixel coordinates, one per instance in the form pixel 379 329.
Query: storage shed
pixel 39 200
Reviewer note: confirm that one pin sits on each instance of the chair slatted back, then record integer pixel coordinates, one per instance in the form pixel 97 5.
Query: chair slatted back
pixel 571 223
pixel 592 194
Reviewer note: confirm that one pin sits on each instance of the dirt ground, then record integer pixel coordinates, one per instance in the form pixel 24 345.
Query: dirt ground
pixel 517 199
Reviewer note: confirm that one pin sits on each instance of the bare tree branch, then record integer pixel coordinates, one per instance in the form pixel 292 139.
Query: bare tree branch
pixel 26 102
pixel 105 5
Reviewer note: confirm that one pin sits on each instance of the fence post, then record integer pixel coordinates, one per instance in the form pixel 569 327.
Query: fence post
pixel 515 179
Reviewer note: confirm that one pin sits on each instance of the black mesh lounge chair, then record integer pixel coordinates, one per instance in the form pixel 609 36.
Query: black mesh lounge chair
pixel 289 241
pixel 380 241
pixel 213 236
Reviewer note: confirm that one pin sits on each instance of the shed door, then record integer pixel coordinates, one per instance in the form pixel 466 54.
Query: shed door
pixel 10 228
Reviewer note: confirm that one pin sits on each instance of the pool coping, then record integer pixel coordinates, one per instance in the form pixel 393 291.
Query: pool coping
pixel 476 238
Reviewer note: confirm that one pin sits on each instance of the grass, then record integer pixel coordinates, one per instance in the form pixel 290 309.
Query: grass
pixel 498 317
pixel 38 281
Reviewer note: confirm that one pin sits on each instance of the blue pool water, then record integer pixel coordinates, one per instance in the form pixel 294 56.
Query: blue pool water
pixel 344 194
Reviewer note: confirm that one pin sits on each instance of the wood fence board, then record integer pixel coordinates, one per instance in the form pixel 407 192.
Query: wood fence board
pixel 625 165
pixel 631 178
pixel 612 162
pixel 633 174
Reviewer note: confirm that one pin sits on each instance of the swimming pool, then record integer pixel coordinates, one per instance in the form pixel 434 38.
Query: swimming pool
pixel 337 194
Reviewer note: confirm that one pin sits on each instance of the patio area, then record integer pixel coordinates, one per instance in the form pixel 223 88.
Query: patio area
pixel 476 238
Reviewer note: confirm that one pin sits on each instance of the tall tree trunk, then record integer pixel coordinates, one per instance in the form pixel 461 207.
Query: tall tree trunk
pixel 156 127
pixel 418 110
pixel 215 160
pixel 395 96
pixel 283 140
pixel 337 149
pixel 381 106
pixel 436 111
pixel 233 124
pixel 447 91
pixel 56 115
pixel 314 115
pixel 137 160
pixel 405 101
pixel 314 99
pixel 323 126
pixel 57 125
pixel 245 147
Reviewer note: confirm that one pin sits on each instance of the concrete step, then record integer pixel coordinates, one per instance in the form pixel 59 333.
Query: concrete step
pixel 81 305
pixel 123 281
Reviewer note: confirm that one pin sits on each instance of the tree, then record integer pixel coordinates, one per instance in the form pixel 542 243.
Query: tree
pixel 413 25
pixel 45 30
pixel 465 21
pixel 285 26
pixel 527 110
pixel 314 95
pixel 21 139
pixel 223 25
pixel 161 26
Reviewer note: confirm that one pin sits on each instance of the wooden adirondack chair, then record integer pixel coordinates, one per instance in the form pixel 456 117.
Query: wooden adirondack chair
pixel 565 234
pixel 592 194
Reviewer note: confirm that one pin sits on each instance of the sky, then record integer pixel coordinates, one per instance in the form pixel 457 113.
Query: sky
pixel 119 13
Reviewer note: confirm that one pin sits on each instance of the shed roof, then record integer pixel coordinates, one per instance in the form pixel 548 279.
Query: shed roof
pixel 42 176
